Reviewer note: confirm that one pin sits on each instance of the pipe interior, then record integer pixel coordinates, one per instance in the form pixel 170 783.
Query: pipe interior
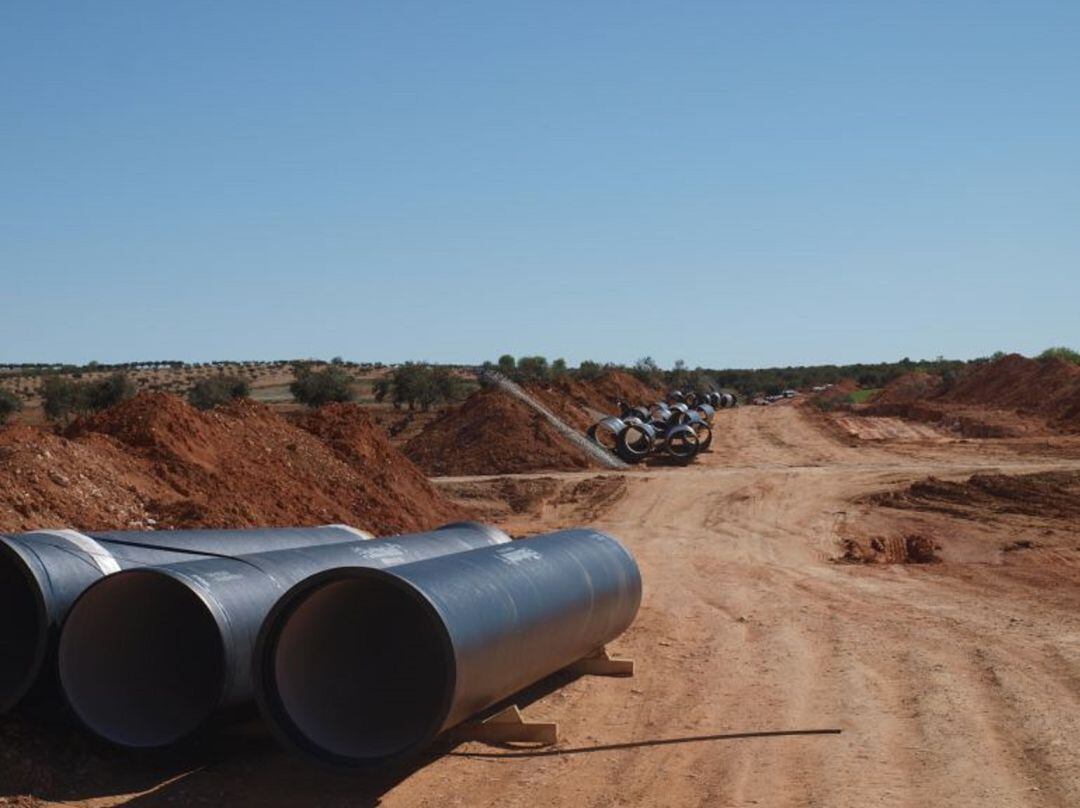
pixel 22 627
pixel 141 659
pixel 360 669
pixel 606 435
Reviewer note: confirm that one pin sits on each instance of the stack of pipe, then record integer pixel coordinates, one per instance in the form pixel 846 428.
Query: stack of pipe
pixel 679 428
pixel 360 651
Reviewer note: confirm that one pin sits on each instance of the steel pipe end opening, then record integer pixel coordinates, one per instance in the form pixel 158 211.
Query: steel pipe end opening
pixel 142 659
pixel 24 625
pixel 355 668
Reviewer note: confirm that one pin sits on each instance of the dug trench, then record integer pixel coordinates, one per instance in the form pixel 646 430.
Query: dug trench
pixel 955 682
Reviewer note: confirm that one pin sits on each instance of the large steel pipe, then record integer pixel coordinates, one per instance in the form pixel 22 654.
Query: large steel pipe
pixel 703 430
pixel 43 572
pixel 681 443
pixel 361 667
pixel 606 431
pixel 147 656
pixel 636 441
pixel 680 414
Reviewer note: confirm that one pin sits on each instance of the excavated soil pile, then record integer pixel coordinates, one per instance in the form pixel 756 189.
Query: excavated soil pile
pixel 1010 397
pixel 577 403
pixel 1045 495
pixel 154 460
pixel 582 403
pixel 615 385
pixel 1049 388
pixel 909 387
pixel 50 481
pixel 492 433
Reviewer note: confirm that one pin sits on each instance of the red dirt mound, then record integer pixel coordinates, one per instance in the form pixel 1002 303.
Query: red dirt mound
pixel 1049 388
pixel 908 388
pixel 393 480
pixel 47 481
pixel 1010 397
pixel 492 433
pixel 582 404
pixel 575 402
pixel 616 385
pixel 154 459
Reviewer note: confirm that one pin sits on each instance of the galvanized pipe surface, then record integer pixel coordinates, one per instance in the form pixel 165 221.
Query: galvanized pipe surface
pixel 362 667
pixel 605 432
pixel 636 441
pixel 148 656
pixel 43 572
pixel 681 443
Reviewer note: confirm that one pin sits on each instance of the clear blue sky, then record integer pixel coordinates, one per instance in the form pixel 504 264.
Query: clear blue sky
pixel 732 183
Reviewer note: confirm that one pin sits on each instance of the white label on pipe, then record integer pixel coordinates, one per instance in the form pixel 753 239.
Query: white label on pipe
pixel 101 557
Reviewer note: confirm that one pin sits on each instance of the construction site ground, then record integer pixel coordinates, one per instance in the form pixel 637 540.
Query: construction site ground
pixel 955 682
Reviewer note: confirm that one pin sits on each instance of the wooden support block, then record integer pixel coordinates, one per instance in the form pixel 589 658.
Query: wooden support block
pixel 509 726
pixel 601 663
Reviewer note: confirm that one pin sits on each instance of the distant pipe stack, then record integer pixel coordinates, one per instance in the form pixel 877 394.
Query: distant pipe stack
pixel 679 428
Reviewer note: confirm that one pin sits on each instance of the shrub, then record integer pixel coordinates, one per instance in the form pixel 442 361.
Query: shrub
pixel 589 370
pixel 105 393
pixel 1061 352
pixel 216 390
pixel 417 383
pixel 9 405
pixel 60 398
pixel 317 387
pixel 64 398
pixel 507 365
pixel 532 369
pixel 647 371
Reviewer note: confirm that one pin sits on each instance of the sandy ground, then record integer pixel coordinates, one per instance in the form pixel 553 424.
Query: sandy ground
pixel 953 684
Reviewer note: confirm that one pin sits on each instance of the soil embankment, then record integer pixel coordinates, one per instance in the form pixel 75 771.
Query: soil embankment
pixel 492 433
pixel 155 462
pixel 1010 397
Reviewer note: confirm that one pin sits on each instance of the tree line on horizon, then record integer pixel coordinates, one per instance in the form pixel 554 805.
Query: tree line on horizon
pixel 422 385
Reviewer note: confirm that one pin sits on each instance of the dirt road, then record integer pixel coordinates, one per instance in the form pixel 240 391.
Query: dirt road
pixel 953 684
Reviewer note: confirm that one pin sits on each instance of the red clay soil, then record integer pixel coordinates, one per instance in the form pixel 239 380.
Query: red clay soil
pixel 47 481
pixel 1046 494
pixel 582 403
pixel 492 433
pixel 1049 388
pixel 1010 397
pixel 837 395
pixel 616 385
pixel 155 461
pixel 995 519
pixel 575 402
pixel 908 388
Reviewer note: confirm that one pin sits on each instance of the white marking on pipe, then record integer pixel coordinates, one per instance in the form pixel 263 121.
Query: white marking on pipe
pixel 518 555
pixel 363 534
pixel 101 557
pixel 384 553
